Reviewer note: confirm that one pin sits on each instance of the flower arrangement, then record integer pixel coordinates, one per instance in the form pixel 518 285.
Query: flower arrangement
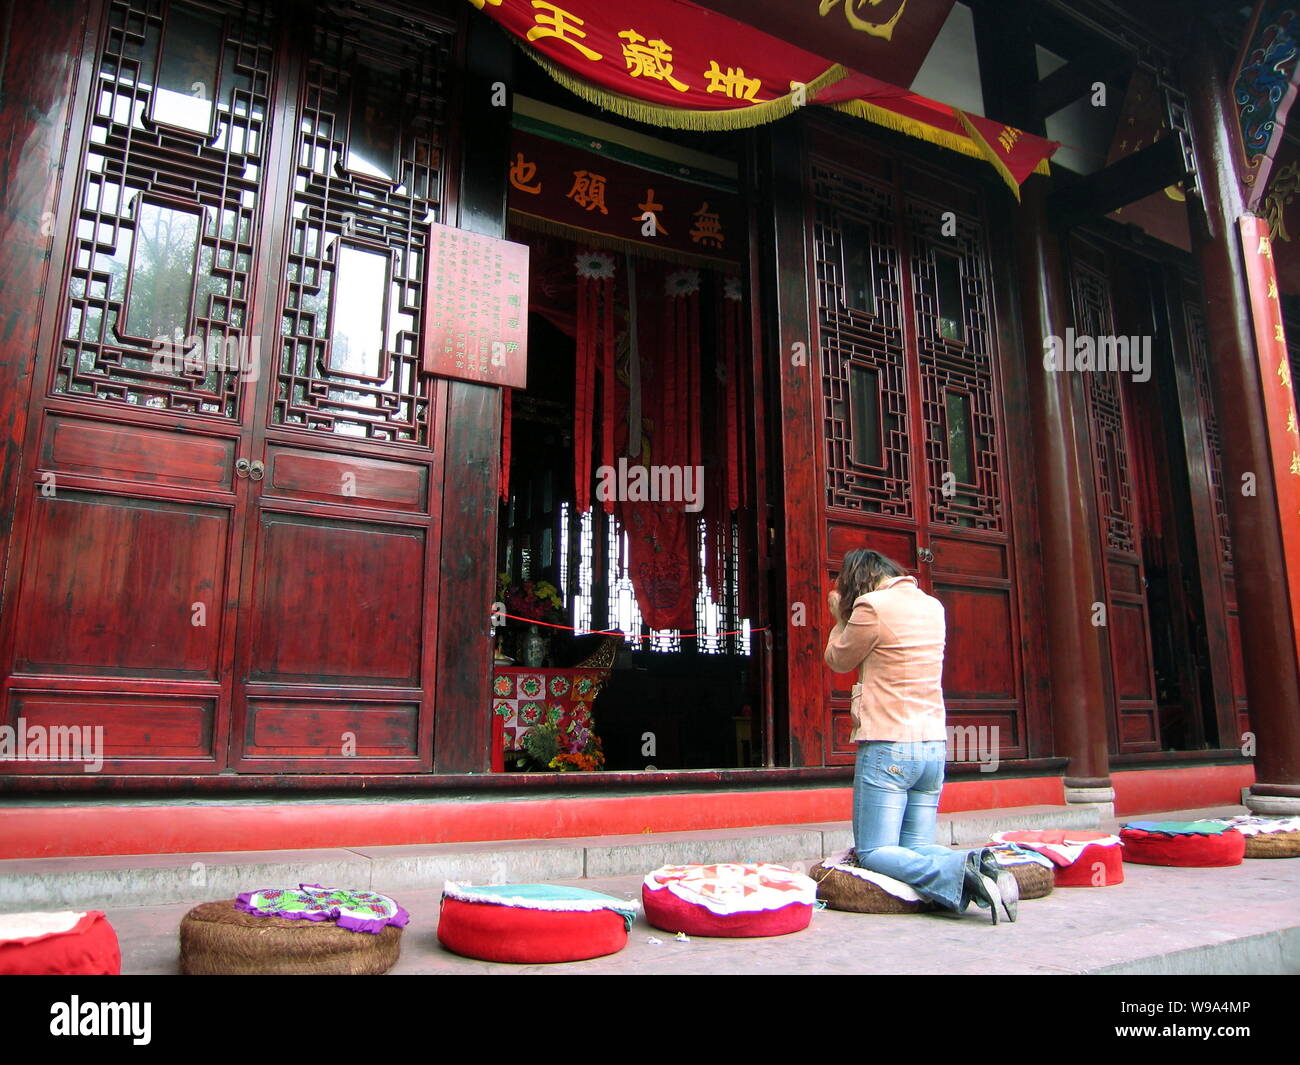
pixel 561 743
pixel 534 600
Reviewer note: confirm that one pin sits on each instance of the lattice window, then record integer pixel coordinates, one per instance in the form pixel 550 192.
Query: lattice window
pixel 168 202
pixel 958 385
pixel 1198 344
pixel 367 180
pixel 1094 317
pixel 861 338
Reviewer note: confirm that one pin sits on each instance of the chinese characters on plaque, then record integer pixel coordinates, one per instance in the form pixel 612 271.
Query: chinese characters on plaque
pixel 476 308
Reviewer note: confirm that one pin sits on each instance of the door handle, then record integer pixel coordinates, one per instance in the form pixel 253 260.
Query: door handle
pixel 253 470
pixel 925 555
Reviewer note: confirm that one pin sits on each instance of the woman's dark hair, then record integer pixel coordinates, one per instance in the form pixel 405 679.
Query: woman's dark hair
pixel 862 571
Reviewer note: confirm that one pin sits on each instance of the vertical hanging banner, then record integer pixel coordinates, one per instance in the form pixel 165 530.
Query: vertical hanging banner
pixel 1279 400
pixel 476 308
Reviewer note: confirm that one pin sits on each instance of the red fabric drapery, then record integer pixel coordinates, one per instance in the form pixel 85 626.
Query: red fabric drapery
pixel 673 63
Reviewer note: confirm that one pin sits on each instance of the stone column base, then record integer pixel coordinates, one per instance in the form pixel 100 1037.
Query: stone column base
pixel 1272 805
pixel 1102 799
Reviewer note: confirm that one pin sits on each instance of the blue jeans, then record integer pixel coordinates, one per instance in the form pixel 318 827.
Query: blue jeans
pixel 895 806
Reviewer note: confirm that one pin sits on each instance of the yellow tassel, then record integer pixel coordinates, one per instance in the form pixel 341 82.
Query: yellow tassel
pixel 681 117
pixel 987 150
pixel 882 116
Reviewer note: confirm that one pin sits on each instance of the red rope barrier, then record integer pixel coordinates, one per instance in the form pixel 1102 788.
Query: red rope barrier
pixel 620 632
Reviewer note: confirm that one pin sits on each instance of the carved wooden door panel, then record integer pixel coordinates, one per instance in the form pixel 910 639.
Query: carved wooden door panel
pixel 225 550
pixel 1131 676
pixel 127 554
pixel 913 455
pixel 336 655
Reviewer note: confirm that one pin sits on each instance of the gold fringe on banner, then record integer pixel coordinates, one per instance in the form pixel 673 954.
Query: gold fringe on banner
pixel 973 146
pixel 593 239
pixel 988 152
pixel 680 117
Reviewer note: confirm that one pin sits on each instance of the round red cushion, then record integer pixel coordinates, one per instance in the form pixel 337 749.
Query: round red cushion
pixel 665 910
pixel 1100 864
pixel 500 932
pixel 1156 848
pixel 728 901
pixel 87 947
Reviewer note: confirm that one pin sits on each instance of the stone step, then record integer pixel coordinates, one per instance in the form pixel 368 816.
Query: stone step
pixel 162 879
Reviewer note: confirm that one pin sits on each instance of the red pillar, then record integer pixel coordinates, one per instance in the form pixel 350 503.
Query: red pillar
pixel 1268 636
pixel 1062 470
pixel 1064 482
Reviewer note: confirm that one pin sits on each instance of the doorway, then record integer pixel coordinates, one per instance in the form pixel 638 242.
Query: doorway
pixel 626 546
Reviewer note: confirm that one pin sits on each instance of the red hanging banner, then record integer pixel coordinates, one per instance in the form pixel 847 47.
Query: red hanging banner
pixel 673 63
pixel 1279 398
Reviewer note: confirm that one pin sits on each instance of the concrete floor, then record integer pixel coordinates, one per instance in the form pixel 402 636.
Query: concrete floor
pixel 1236 921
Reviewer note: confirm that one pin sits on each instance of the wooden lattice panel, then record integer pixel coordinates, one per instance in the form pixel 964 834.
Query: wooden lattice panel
pixel 167 209
pixel 1094 317
pixel 367 181
pixel 956 361
pixel 867 338
pixel 1198 346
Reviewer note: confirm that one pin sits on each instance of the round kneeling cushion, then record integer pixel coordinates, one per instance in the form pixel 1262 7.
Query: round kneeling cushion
pixel 1080 857
pixel 58 944
pixel 728 900
pixel 1273 845
pixel 843 885
pixel 1268 837
pixel 1191 850
pixel 530 923
pixel 1034 873
pixel 220 939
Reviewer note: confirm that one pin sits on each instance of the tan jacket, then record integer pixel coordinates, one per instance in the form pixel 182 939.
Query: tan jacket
pixel 894 639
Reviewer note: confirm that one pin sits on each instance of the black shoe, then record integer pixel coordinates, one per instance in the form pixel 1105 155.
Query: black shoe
pixel 983 891
pixel 988 864
pixel 1009 893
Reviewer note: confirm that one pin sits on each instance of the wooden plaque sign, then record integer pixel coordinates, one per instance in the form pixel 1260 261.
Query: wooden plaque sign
pixel 476 308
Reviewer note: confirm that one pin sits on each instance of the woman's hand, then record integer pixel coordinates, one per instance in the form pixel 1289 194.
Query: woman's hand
pixel 833 601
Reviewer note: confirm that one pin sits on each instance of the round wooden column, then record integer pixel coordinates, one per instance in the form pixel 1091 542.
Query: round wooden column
pixel 1064 483
pixel 1267 628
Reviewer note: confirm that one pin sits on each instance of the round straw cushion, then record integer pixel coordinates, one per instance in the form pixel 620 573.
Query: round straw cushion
pixel 728 900
pixel 219 939
pixel 1267 837
pixel 531 923
pixel 1034 880
pixel 844 886
pixel 58 944
pixel 1273 845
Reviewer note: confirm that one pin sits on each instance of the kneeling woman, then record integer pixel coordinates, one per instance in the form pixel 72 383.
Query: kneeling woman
pixel 892 634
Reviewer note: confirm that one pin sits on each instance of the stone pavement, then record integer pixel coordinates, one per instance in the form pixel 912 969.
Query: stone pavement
pixel 1243 920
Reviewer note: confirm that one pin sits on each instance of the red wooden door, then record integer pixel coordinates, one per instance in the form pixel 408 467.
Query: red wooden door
pixel 1131 677
pixel 228 558
pixel 914 456
pixel 337 643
